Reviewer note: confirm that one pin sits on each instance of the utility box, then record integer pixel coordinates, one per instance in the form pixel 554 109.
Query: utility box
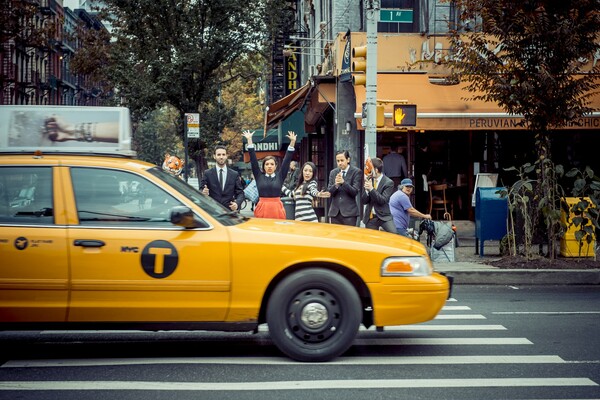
pixel 569 246
pixel 491 214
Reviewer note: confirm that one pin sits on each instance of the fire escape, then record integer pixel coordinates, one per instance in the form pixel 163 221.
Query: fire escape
pixel 49 53
pixel 8 74
pixel 29 65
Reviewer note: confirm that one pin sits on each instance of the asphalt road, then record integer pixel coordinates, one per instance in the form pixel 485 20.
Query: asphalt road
pixel 496 342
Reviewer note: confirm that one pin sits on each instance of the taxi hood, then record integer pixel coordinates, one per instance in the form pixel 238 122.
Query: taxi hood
pixel 329 235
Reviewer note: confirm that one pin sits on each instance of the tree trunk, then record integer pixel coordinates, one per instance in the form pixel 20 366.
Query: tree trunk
pixel 546 189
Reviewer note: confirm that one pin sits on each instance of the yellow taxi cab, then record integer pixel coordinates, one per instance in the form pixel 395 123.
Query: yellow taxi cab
pixel 104 241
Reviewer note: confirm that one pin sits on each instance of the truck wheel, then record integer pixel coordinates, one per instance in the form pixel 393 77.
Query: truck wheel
pixel 314 315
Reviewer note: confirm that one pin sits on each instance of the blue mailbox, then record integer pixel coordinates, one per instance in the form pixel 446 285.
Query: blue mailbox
pixel 491 213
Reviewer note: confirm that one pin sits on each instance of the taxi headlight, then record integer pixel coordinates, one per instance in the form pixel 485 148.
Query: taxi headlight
pixel 406 266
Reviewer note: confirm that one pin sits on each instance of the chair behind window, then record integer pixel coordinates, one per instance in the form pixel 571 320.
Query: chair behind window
pixel 438 201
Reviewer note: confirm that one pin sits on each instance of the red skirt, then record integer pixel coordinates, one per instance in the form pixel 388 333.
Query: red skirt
pixel 269 207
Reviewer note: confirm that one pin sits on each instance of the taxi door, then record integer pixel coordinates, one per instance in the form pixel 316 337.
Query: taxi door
pixel 33 248
pixel 130 264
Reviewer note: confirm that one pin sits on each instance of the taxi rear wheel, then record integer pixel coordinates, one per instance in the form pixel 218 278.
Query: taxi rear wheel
pixel 314 315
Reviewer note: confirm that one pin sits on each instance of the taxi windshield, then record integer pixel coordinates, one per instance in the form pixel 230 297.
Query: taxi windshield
pixel 215 209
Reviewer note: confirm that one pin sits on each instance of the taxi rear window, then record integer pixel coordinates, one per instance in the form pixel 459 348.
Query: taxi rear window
pixel 26 195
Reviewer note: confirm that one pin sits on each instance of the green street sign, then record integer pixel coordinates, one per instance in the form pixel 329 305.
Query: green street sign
pixel 399 15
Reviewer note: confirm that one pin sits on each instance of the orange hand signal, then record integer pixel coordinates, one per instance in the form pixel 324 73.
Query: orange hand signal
pixel 398 116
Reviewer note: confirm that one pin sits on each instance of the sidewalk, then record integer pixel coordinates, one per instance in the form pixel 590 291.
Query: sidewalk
pixel 473 269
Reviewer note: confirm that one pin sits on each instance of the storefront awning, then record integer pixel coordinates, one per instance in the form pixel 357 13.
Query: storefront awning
pixel 444 107
pixel 275 142
pixel 265 145
pixel 322 97
pixel 286 106
pixel 312 100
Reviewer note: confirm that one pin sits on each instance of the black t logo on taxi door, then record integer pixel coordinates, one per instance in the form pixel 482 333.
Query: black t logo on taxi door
pixel 21 243
pixel 159 259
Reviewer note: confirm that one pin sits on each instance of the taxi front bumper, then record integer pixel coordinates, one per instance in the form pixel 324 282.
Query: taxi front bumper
pixel 401 301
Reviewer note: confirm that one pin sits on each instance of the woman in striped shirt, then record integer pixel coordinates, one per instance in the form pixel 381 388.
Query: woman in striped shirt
pixel 305 192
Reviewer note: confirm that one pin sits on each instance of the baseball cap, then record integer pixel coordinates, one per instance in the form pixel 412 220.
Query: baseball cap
pixel 406 182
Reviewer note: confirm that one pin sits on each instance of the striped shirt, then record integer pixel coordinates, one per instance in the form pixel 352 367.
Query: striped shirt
pixel 304 202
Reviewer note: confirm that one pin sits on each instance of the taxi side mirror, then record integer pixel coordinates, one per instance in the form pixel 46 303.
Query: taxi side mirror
pixel 184 216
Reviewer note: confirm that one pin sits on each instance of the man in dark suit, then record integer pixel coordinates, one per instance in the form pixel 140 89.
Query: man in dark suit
pixel 223 184
pixel 345 183
pixel 376 195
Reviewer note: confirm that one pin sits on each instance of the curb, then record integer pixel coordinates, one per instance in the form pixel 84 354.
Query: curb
pixel 526 277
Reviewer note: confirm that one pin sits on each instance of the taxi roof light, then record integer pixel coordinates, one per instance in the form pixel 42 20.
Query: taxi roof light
pixel 65 130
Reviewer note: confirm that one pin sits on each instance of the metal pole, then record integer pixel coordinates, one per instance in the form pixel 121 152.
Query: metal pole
pixel 372 15
pixel 185 144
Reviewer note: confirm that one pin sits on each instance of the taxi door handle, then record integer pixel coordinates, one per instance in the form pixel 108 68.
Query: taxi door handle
pixel 89 243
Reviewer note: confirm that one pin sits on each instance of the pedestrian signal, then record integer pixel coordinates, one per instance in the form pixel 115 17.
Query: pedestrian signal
pixel 405 115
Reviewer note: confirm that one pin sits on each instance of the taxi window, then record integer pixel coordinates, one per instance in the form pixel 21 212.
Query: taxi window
pixel 26 195
pixel 110 197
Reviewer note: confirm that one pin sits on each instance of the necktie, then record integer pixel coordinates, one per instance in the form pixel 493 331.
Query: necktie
pixel 374 188
pixel 344 174
pixel 221 178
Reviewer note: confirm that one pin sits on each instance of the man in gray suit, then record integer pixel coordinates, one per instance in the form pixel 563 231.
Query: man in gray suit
pixel 376 195
pixel 345 183
pixel 222 183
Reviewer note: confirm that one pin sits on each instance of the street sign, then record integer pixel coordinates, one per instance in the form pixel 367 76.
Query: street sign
pixel 405 115
pixel 399 15
pixel 193 125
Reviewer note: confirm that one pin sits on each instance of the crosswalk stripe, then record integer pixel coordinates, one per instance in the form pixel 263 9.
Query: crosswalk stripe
pixel 422 327
pixel 456 308
pixel 409 360
pixel 544 312
pixel 425 327
pixel 441 341
pixel 460 316
pixel 265 328
pixel 296 385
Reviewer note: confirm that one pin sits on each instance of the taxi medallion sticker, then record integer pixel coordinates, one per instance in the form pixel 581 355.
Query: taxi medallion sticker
pixel 159 259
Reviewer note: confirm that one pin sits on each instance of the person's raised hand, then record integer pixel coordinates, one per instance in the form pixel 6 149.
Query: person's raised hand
pixel 292 136
pixel 248 135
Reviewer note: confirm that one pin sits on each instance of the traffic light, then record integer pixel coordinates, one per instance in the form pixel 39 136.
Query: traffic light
pixel 359 65
pixel 405 115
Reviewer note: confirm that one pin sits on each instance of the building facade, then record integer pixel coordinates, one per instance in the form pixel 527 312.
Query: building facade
pixel 35 68
pixel 453 140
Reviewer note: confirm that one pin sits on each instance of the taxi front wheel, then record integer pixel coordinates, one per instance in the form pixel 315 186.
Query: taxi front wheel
pixel 314 315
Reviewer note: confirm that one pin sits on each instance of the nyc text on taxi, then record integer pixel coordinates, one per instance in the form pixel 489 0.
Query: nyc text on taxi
pixel 91 238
